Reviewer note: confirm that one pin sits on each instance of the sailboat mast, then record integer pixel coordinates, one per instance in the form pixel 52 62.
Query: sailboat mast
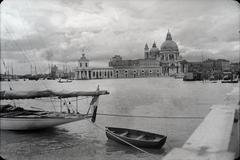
pixel 12 72
pixel 31 69
pixel 8 73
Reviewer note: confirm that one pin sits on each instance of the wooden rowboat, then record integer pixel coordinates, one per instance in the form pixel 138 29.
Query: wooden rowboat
pixel 137 138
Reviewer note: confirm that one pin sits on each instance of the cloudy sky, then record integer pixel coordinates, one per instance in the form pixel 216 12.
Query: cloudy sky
pixel 39 32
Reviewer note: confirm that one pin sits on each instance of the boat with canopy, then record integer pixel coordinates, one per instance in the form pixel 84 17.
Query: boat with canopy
pixel 18 118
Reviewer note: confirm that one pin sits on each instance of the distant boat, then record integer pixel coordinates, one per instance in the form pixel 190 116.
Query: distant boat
pixel 179 76
pixel 207 81
pixel 235 80
pixel 64 80
pixel 35 78
pixel 213 81
pixel 192 76
pixel 50 78
pixel 18 118
pixel 137 138
pixel 229 81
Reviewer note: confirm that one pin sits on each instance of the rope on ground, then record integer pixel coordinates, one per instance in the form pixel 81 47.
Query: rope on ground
pixel 126 142
pixel 166 117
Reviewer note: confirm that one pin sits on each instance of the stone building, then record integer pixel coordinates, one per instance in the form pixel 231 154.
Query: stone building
pixel 165 61
pixel 216 65
pixel 235 67
pixel 84 71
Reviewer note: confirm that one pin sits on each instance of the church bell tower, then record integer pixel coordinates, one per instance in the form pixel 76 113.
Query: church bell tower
pixel 146 51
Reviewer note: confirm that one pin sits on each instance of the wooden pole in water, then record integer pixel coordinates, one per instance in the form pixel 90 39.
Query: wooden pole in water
pixel 60 105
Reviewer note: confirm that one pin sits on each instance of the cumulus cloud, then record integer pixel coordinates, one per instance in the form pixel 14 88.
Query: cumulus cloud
pixel 59 30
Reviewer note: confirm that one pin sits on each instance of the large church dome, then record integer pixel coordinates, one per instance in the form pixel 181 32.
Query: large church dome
pixel 169 44
pixel 154 51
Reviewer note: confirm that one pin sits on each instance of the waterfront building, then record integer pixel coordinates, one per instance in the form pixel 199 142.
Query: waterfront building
pixel 195 66
pixel 235 67
pixel 165 61
pixel 216 65
pixel 222 64
pixel 84 71
pixel 170 57
pixel 54 72
pixel 225 65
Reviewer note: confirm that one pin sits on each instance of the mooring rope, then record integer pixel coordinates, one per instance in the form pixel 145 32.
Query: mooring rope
pixel 126 141
pixel 135 116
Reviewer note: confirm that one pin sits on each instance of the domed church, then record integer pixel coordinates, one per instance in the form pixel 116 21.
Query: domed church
pixel 165 61
pixel 168 55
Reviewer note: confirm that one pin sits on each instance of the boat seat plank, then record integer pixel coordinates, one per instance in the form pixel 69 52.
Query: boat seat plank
pixel 141 136
pixel 124 134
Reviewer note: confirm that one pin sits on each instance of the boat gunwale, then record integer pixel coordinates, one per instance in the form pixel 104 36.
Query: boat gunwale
pixel 66 117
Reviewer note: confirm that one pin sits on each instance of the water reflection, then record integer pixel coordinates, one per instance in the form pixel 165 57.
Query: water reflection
pixel 153 97
pixel 38 141
pixel 115 149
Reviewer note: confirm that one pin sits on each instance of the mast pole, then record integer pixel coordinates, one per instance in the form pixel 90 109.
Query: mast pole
pixel 77 104
pixel 12 72
pixel 8 71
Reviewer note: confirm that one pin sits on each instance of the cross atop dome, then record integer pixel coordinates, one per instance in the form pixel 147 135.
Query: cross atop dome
pixel 169 37
pixel 154 44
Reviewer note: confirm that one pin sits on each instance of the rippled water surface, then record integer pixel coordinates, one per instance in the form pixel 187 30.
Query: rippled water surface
pixel 183 104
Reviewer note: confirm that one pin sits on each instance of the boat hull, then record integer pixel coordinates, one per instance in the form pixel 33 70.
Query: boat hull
pixel 33 123
pixel 151 140
pixel 226 81
pixel 64 81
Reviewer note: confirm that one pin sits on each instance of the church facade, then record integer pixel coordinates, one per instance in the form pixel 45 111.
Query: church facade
pixel 165 61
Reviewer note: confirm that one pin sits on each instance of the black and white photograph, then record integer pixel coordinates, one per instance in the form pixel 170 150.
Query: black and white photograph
pixel 119 80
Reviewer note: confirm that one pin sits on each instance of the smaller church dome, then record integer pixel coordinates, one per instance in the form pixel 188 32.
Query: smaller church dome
pixel 154 51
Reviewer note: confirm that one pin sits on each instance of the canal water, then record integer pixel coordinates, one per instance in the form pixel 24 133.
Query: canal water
pixel 163 105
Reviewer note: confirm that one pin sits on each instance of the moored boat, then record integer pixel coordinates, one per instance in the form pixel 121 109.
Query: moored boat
pixel 192 76
pixel 137 138
pixel 233 79
pixel 35 78
pixel 179 76
pixel 213 81
pixel 64 80
pixel 229 81
pixel 18 118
